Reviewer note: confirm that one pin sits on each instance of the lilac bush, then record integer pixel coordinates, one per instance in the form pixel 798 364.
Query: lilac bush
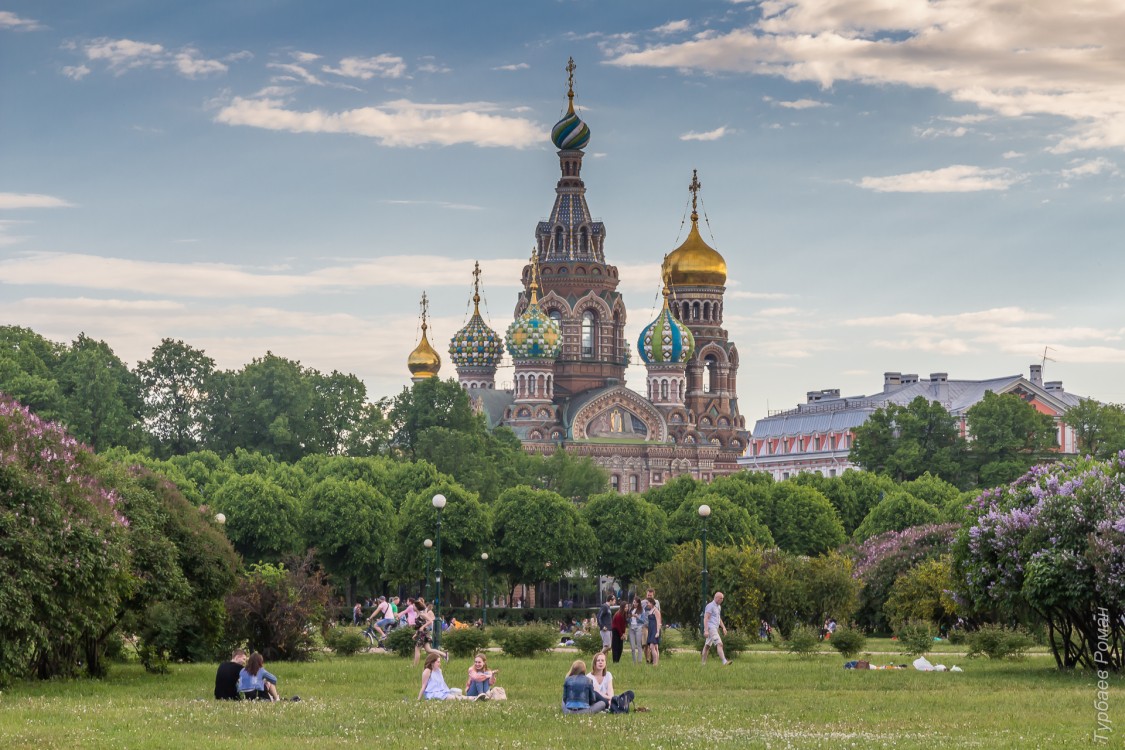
pixel 880 560
pixel 1050 548
pixel 63 558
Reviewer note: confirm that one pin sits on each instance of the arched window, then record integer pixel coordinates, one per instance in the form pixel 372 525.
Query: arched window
pixel 556 316
pixel 588 334
pixel 583 241
pixel 710 374
pixel 706 310
pixel 687 311
pixel 633 483
pixel 664 390
pixel 558 240
pixel 695 311
pixel 615 482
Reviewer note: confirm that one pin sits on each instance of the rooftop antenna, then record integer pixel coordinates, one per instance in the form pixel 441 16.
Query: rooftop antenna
pixel 1046 359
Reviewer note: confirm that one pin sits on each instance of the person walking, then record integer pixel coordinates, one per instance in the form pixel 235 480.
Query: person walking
pixel 619 628
pixel 605 623
pixel 712 623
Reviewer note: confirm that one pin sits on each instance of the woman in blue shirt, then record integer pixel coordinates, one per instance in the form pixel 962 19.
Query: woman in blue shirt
pixel 578 692
pixel 254 682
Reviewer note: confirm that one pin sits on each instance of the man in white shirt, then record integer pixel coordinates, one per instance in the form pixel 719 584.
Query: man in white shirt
pixel 712 622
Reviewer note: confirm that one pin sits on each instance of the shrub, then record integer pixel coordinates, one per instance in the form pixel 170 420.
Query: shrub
pixel 588 643
pixel 345 641
pixel 735 642
pixel 848 641
pixel 525 641
pixel 999 642
pixel 463 642
pixel 400 641
pixel 956 636
pixel 804 640
pixel 915 637
pixel 273 607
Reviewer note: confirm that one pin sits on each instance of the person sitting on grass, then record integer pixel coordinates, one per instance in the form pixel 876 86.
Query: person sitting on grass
pixel 602 681
pixel 481 678
pixel 578 692
pixel 433 683
pixel 254 682
pixel 226 677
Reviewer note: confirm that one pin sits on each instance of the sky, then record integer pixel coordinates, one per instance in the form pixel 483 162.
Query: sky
pixel 896 185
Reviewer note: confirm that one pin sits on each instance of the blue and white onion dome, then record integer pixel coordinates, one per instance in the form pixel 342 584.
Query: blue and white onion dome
pixel 534 335
pixel 665 340
pixel 476 345
pixel 570 132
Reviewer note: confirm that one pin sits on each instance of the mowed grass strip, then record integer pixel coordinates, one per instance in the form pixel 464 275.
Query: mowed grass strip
pixel 759 701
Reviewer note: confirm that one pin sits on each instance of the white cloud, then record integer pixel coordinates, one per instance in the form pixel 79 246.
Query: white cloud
pixel 31 200
pixel 366 68
pixel 9 20
pixel 1013 154
pixel 802 104
pixel 778 312
pixel 710 135
pixel 959 178
pixel 239 56
pixel 191 65
pixel 967 119
pixel 76 72
pixel 1089 167
pixel 296 73
pixel 397 123
pixel 125 54
pixel 1012 60
pixel 514 66
pixel 6 237
pixel 304 57
pixel 956 132
pixel 222 280
pixel 673 27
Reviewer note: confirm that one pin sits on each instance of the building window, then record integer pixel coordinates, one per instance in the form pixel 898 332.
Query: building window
pixel 583 241
pixel 710 374
pixel 588 322
pixel 633 483
pixel 558 240
pixel 615 482
pixel 556 316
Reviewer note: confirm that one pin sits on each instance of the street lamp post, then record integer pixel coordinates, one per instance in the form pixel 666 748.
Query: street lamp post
pixel 704 512
pixel 439 503
pixel 484 601
pixel 429 545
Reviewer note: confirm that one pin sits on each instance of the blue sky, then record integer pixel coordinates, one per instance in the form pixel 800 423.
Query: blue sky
pixel 896 185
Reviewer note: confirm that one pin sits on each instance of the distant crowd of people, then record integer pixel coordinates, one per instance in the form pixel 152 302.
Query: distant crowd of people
pixel 636 619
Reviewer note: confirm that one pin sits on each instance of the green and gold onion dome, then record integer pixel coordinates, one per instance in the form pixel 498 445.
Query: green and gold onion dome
pixel 695 263
pixel 476 345
pixel 665 340
pixel 534 335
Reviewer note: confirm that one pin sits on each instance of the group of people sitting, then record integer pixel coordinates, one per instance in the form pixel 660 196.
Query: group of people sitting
pixel 245 678
pixel 593 693
pixel 480 684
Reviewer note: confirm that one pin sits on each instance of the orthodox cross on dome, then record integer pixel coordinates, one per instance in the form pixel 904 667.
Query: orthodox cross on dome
pixel 533 287
pixel 476 286
pixel 425 306
pixel 570 68
pixel 694 188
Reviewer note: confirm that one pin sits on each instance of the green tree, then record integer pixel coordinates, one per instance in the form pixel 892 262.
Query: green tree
pixel 672 494
pixel 430 403
pixel 337 409
pixel 175 380
pixel 103 398
pixel 371 434
pixel 933 490
pixel 803 521
pixel 272 406
pixel 574 477
pixel 28 371
pixel 732 569
pixel 905 442
pixel 1099 428
pixel 466 532
pixel 728 524
pixel 1008 436
pixel 474 458
pixel 750 490
pixel 923 593
pixel 539 536
pixel 631 533
pixel 897 511
pixel 856 493
pixel 263 520
pixel 350 524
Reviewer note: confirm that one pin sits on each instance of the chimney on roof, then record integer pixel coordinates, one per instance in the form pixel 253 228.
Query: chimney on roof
pixel 939 386
pixel 891 380
pixel 814 396
pixel 1037 375
pixel 910 379
pixel 1054 385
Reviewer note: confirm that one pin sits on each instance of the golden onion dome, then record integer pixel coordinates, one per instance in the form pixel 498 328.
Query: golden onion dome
pixel 695 263
pixel 424 361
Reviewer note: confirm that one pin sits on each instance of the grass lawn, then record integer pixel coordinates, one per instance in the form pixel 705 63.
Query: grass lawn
pixel 760 701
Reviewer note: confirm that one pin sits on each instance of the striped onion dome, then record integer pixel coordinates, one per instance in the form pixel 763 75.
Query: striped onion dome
pixel 534 335
pixel 665 340
pixel 570 132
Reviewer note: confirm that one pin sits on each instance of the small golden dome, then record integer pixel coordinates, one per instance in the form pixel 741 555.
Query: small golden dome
pixel 695 263
pixel 424 361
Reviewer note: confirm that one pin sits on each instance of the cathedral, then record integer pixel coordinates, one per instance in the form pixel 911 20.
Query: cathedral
pixel 567 344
